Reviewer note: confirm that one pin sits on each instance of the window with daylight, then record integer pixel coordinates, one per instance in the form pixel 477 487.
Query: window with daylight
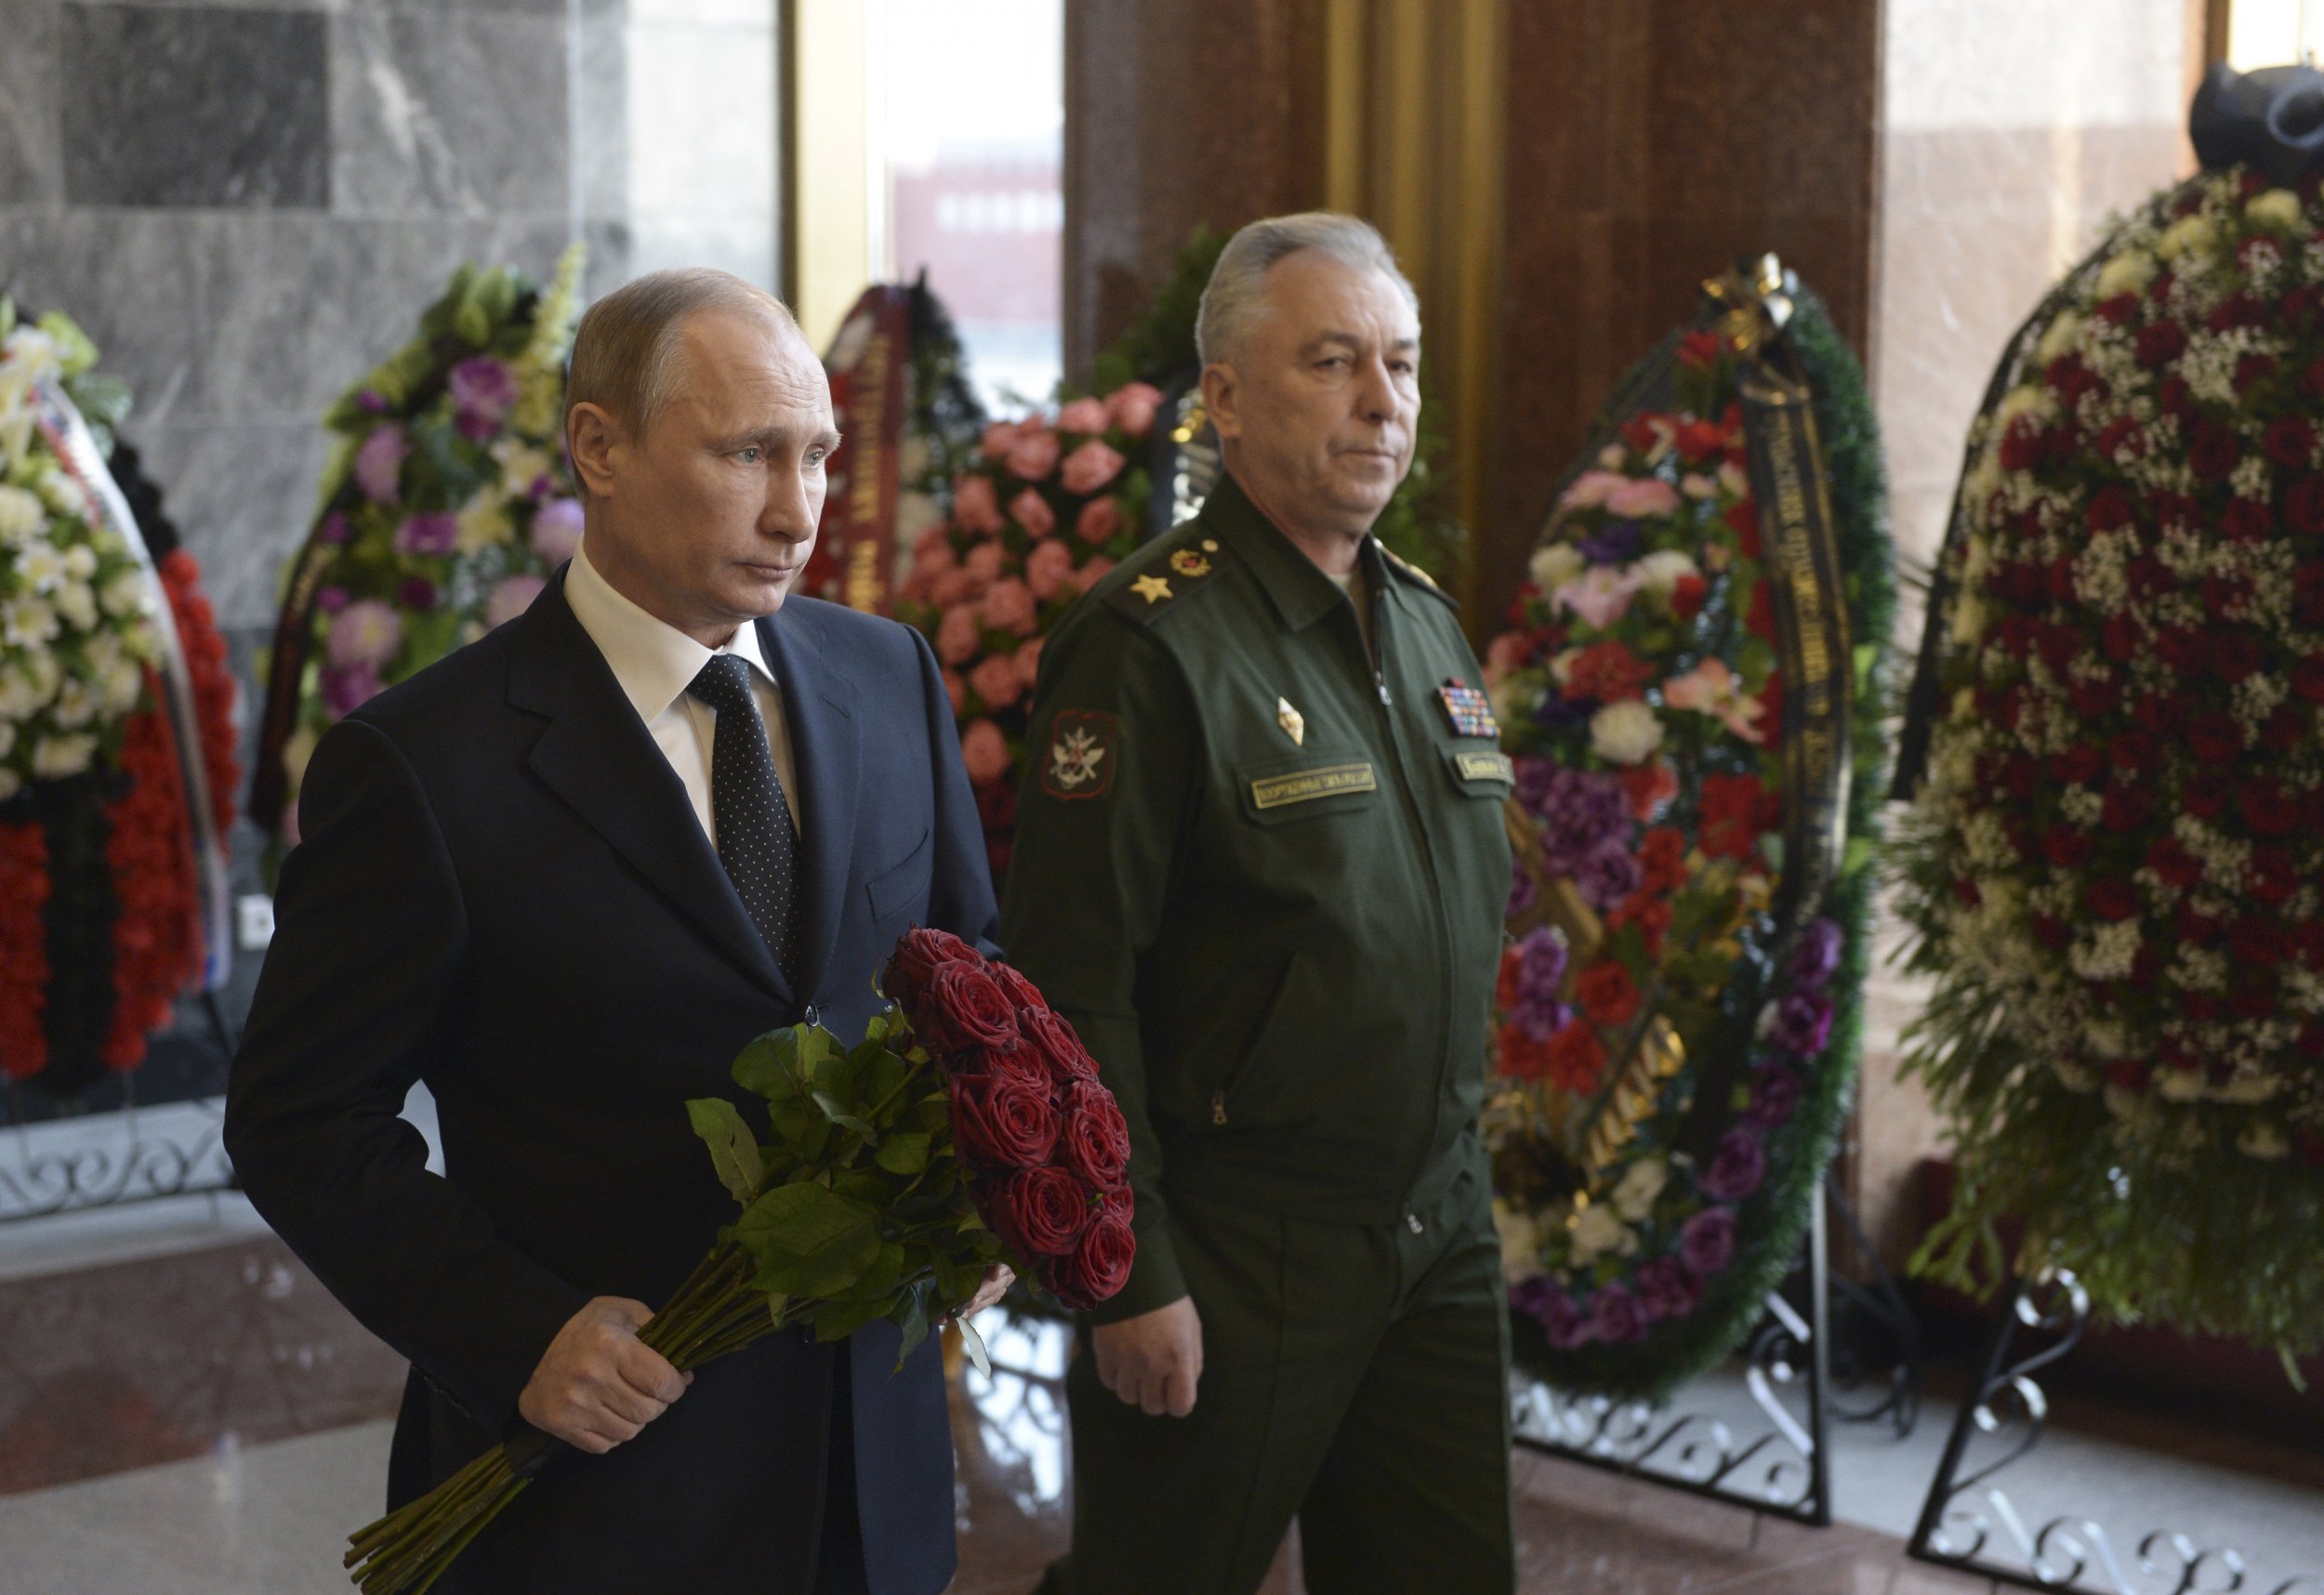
pixel 967 119
pixel 2274 32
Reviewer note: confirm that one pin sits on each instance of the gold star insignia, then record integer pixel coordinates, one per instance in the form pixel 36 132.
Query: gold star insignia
pixel 1153 589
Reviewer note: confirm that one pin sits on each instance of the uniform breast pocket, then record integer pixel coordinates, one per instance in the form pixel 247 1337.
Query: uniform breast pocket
pixel 1480 772
pixel 1278 793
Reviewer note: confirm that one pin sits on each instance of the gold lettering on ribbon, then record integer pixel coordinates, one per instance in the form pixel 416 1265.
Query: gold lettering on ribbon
pixel 1305 785
pixel 866 584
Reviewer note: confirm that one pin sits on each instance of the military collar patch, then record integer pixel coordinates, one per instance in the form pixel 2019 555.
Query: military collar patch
pixel 1082 754
pixel 1469 709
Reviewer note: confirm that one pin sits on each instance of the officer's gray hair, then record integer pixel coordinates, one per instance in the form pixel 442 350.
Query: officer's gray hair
pixel 1237 295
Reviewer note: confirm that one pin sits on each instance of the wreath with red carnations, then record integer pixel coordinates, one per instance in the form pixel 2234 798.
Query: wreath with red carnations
pixel 2112 864
pixel 111 859
pixel 1677 1040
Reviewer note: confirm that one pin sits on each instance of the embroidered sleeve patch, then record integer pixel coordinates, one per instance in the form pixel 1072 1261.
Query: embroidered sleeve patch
pixel 1081 759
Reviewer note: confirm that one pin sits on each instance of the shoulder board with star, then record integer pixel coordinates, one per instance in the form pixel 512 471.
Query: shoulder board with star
pixel 1419 578
pixel 1167 580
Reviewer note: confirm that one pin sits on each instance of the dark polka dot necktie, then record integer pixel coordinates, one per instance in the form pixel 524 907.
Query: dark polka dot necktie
pixel 758 843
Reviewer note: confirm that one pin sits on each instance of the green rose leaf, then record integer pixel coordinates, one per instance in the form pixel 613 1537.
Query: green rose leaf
pixel 808 1240
pixel 835 1111
pixel 733 1150
pixel 837 1320
pixel 911 1317
pixel 904 1152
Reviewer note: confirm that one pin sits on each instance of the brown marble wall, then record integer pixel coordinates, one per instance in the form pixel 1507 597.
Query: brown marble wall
pixel 1650 142
pixel 1179 114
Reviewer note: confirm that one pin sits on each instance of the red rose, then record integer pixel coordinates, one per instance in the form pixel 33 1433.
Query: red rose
pixel 2228 597
pixel 2169 860
pixel 2185 651
pixel 2121 308
pixel 1518 1055
pixel 1096 1140
pixel 2109 508
pixel 1760 621
pixel 2065 847
pixel 2268 809
pixel 2128 1074
pixel 1650 914
pixel 2290 440
pixel 2093 699
pixel 2021 445
pixel 1608 672
pixel 2206 796
pixel 1742 518
pixel 2285 730
pixel 1606 993
pixel 2252 369
pixel 2124 440
pixel 1051 1040
pixel 2159 343
pixel 1662 860
pixel 2114 898
pixel 2120 637
pixel 2258 942
pixel 2312 380
pixel 1013 981
pixel 1686 597
pixel 2175 398
pixel 2307 593
pixel 1039 1212
pixel 2274 875
pixel 2051 934
pixel 919 954
pixel 2128 808
pixel 2132 751
pixel 2237 655
pixel 1000 1122
pixel 1649 786
pixel 2306 676
pixel 964 1008
pixel 2078 765
pixel 1576 1059
pixel 2247 520
pixel 1099 1265
pixel 2303 506
pixel 2216 739
pixel 1699 441
pixel 2212 451
pixel 1506 992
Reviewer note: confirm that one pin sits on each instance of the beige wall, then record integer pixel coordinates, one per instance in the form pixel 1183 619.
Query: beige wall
pixel 2011 129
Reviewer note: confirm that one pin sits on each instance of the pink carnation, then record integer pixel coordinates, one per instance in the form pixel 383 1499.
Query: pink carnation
pixel 1030 510
pixel 511 596
pixel 1048 567
pixel 1028 663
pixel 984 752
pixel 379 462
pixel 1084 416
pixel 557 530
pixel 983 564
pixel 1008 607
pixel 1503 655
pixel 975 507
pixel 1100 519
pixel 933 554
pixel 1034 455
pixel 960 635
pixel 994 680
pixel 1591 489
pixel 1090 467
pixel 950 587
pixel 1087 577
pixel 1133 405
pixel 427 534
pixel 1000 437
pixel 958 691
pixel 1642 496
pixel 365 633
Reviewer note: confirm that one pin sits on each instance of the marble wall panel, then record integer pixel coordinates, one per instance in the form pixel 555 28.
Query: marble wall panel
pixel 454 114
pixel 139 283
pixel 194 106
pixel 32 153
pixel 241 494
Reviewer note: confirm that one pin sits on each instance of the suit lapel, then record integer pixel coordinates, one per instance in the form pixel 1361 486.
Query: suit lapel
pixel 597 755
pixel 819 705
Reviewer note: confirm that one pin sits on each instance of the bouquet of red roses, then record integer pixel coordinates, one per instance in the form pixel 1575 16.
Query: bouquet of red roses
pixel 967 1129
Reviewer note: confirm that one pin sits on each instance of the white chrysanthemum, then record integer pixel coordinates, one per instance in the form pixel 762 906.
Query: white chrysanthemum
pixel 126 594
pixel 1554 564
pixel 2059 338
pixel 22 517
pixel 40 566
pixel 1663 569
pixel 1521 1242
pixel 2277 207
pixel 2188 236
pixel 1969 619
pixel 1599 1231
pixel 78 602
pixel 63 495
pixel 1625 733
pixel 2128 272
pixel 77 703
pixel 27 622
pixel 120 684
pixel 80 561
pixel 1634 1197
pixel 54 757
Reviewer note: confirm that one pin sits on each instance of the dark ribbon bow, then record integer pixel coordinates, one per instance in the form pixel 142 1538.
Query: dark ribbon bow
pixel 2272 118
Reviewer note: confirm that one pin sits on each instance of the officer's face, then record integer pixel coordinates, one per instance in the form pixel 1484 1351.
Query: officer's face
pixel 707 519
pixel 1319 412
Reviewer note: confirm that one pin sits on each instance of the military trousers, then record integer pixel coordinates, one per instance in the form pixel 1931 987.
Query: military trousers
pixel 1354 1378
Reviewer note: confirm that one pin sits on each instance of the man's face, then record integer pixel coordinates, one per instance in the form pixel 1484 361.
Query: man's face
pixel 708 520
pixel 1319 409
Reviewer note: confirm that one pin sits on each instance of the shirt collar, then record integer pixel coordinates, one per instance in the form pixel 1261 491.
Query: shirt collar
pixel 1293 583
pixel 654 661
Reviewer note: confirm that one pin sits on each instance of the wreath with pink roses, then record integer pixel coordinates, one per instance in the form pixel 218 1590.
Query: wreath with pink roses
pixel 1048 506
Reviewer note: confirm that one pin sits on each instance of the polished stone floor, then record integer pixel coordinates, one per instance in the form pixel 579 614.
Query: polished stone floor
pixel 193 1415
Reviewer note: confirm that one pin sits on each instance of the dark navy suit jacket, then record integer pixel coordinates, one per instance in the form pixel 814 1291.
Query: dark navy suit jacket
pixel 501 890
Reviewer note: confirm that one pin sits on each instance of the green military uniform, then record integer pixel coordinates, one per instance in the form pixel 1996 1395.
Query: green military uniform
pixel 1261 865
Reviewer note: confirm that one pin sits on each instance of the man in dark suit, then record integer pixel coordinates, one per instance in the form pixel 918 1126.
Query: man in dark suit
pixel 563 877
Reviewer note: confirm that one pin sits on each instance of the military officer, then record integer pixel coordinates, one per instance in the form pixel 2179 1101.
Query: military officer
pixel 1261 865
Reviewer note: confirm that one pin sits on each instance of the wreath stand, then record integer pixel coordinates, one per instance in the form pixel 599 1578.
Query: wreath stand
pixel 1783 1470
pixel 2071 1552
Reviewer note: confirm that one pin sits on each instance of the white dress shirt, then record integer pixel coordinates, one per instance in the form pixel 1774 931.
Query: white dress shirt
pixel 654 662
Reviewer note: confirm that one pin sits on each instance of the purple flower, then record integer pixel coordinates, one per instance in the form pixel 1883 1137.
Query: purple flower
pixel 348 688
pixel 1568 1327
pixel 483 387
pixel 1774 1094
pixel 335 528
pixel 370 401
pixel 1580 811
pixel 415 592
pixel 1536 777
pixel 1540 964
pixel 1616 543
pixel 1706 1241
pixel 1667 1290
pixel 1803 1023
pixel 1522 893
pixel 379 462
pixel 1540 1021
pixel 427 534
pixel 364 636
pixel 1557 711
pixel 1816 958
pixel 1530 1296
pixel 511 596
pixel 330 600
pixel 1608 877
pixel 557 530
pixel 1736 1168
pixel 1614 1314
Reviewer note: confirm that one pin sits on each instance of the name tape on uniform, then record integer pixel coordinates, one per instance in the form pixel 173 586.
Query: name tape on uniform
pixel 1485 767
pixel 1305 785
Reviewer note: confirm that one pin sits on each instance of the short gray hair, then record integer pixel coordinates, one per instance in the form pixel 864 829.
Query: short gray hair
pixel 1234 299
pixel 625 351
